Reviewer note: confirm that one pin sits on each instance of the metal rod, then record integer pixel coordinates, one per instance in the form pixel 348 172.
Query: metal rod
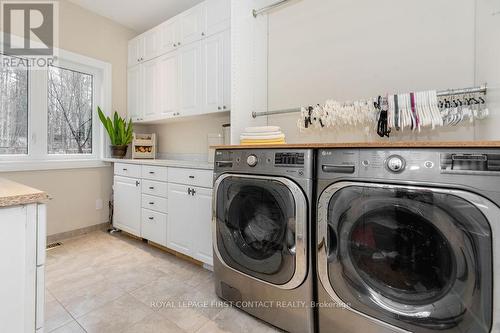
pixel 256 12
pixel 451 92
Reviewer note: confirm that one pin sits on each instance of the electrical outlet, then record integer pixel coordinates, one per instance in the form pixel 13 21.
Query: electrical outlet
pixel 98 204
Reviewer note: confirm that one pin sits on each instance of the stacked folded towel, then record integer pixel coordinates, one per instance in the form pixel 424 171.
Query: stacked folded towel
pixel 265 135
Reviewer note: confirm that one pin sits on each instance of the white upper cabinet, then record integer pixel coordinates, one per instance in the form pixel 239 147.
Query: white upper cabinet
pixel 170 36
pixel 213 67
pixel 218 16
pixel 192 24
pixel 135 51
pixel 135 93
pixel 216 72
pixel 190 79
pixel 168 87
pixel 151 94
pixel 152 44
pixel 182 67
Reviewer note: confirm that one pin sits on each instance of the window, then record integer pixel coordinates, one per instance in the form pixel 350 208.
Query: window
pixel 70 108
pixel 13 109
pixel 48 116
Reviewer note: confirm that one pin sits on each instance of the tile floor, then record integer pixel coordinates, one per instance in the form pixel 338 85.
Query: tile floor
pixel 114 283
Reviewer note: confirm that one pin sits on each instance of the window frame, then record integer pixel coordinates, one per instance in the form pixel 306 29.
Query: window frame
pixel 38 157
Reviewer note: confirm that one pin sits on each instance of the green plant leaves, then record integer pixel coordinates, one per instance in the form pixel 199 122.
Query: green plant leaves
pixel 120 133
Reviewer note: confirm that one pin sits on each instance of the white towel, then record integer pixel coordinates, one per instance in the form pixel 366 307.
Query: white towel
pixel 261 134
pixel 261 129
pixel 262 137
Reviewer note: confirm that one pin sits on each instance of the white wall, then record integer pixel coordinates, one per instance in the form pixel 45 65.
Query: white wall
pixel 315 50
pixel 75 192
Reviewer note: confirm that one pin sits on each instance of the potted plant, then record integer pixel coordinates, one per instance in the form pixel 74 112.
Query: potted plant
pixel 120 133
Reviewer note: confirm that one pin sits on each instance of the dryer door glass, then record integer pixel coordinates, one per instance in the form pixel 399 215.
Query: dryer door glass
pixel 256 227
pixel 414 258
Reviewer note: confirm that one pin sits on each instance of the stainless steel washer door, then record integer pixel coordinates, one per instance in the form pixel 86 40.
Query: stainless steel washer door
pixel 260 228
pixel 416 258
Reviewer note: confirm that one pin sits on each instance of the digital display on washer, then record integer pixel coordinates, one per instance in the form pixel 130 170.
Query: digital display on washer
pixel 289 159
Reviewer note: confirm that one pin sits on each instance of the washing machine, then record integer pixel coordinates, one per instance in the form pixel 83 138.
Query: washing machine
pixel 262 234
pixel 408 240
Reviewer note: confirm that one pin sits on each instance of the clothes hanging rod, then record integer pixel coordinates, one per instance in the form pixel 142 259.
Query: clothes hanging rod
pixel 450 92
pixel 257 12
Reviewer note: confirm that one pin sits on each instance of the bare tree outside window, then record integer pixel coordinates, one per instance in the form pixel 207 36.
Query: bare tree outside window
pixel 13 110
pixel 69 111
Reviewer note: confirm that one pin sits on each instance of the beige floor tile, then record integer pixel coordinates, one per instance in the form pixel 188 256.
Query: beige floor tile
pixel 130 278
pixel 55 315
pixel 154 324
pixel 187 318
pixel 71 327
pixel 83 300
pixel 115 316
pixel 233 320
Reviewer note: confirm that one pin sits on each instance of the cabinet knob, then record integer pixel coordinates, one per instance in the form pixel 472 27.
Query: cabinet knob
pixel 179 43
pixel 203 34
pixel 151 218
pixel 175 45
pixel 224 107
pixel 219 108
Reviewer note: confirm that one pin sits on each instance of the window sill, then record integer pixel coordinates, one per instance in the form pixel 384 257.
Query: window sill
pixel 14 166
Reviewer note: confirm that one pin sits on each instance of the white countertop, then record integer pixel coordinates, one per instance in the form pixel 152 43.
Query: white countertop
pixel 15 194
pixel 167 163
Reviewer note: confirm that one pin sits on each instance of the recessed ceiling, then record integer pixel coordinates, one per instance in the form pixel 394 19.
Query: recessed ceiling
pixel 138 15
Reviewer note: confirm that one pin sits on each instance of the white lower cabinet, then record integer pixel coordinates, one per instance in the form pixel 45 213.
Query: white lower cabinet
pixel 173 210
pixel 127 205
pixel 154 226
pixel 22 289
pixel 189 228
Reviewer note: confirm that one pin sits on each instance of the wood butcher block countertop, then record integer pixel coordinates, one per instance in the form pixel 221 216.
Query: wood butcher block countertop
pixel 15 194
pixel 382 144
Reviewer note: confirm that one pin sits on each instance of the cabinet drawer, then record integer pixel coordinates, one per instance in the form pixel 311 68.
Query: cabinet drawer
pixel 154 226
pixel 154 203
pixel 195 177
pixel 128 170
pixel 152 187
pixel 154 173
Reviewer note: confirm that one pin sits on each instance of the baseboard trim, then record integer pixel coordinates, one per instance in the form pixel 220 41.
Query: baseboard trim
pixel 77 232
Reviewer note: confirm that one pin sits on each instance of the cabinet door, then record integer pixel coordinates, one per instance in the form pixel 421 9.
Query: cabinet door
pixel 169 35
pixel 18 269
pixel 190 79
pixel 135 51
pixel 202 237
pixel 180 231
pixel 213 72
pixel 226 66
pixel 135 93
pixel 167 69
pixel 152 44
pixel 218 16
pixel 192 24
pixel 127 205
pixel 154 226
pixel 151 86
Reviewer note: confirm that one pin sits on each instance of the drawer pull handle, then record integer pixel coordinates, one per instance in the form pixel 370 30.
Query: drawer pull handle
pixel 124 169
pixel 151 172
pixel 151 218
pixel 151 188
pixel 192 177
pixel 151 203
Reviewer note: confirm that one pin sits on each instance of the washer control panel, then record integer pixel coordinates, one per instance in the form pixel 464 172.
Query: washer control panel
pixel 395 163
pixel 252 160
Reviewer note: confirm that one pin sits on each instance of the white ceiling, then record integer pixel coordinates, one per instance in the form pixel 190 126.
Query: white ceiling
pixel 138 15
